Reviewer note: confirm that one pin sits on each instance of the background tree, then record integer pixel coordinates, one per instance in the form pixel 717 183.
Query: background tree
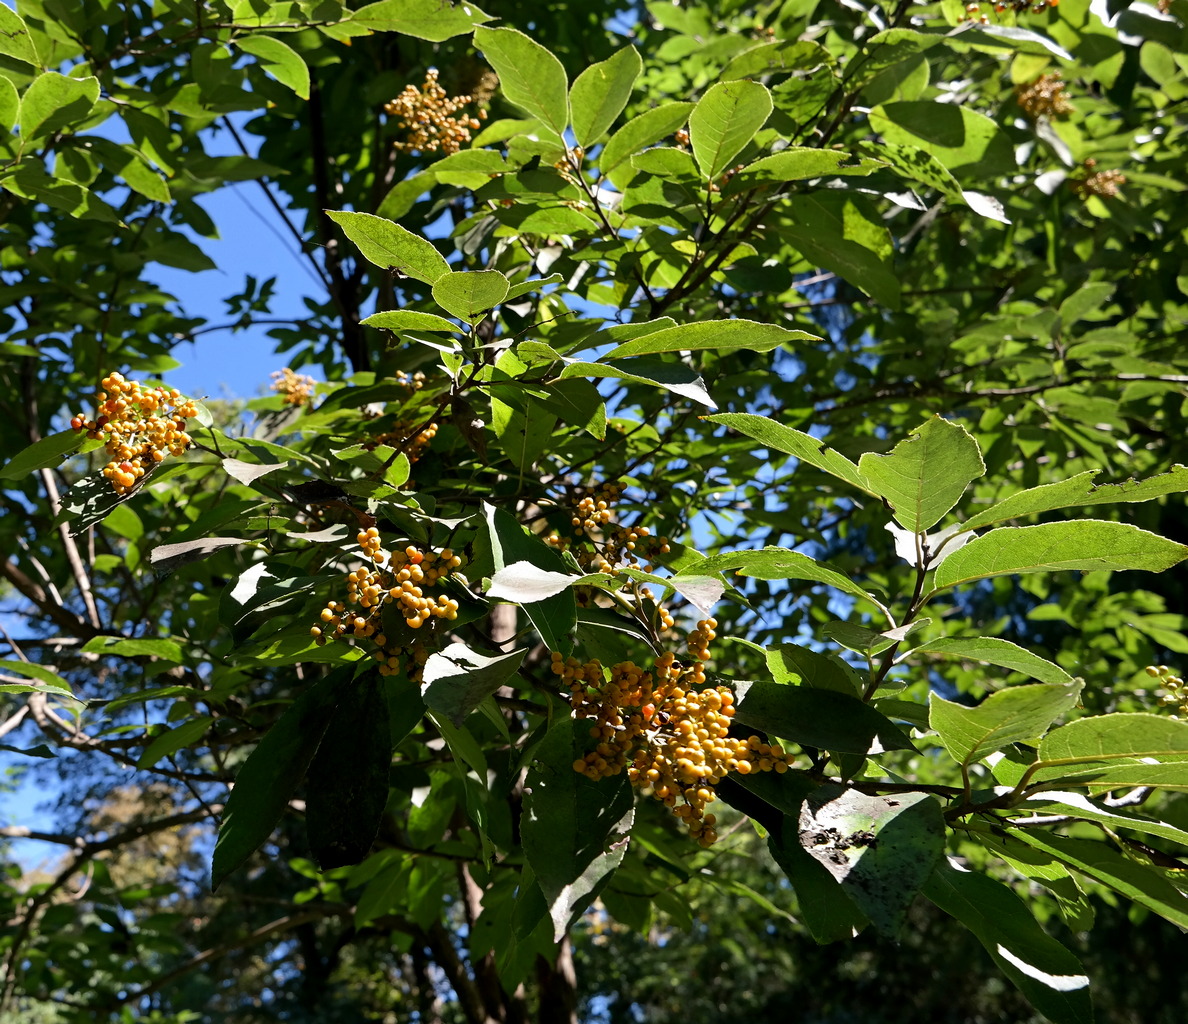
pixel 759 383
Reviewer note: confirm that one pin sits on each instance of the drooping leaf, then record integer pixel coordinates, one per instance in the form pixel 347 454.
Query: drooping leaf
pixel 600 93
pixel 523 582
pixel 924 476
pixel 1142 883
pixel 1084 545
pixel 554 617
pixel 529 75
pixel 1041 968
pixel 1018 714
pixel 280 60
pixel 799 163
pixel 348 776
pixel 575 831
pixel 725 119
pixel 266 780
pixel 455 680
pixel 1077 805
pixel 388 245
pixel 880 848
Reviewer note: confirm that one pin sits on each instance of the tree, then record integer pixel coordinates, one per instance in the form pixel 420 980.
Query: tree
pixel 742 429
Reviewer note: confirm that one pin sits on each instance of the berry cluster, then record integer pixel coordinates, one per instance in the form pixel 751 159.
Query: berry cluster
pixel 665 728
pixel 1175 692
pixel 139 426
pixel 295 388
pixel 1043 98
pixel 1097 183
pixel 398 581
pixel 973 11
pixel 430 117
pixel 607 549
pixel 401 437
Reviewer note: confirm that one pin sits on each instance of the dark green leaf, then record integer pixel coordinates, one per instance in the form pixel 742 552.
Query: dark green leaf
pixel 457 679
pixel 172 740
pixel 825 719
pixel 272 771
pixel 348 777
pixel 1045 972
pixel 43 454
pixel 880 848
pixel 574 830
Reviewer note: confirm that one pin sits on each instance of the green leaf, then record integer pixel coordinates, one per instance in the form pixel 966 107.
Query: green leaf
pixel 388 245
pixel 1041 968
pixel 10 106
pixel 1141 883
pixel 1077 492
pixel 1135 745
pixel 822 904
pixel 348 777
pixel 555 617
pixel 881 849
pixel 1046 871
pixel 791 663
pixel 1018 714
pixel 272 771
pixel 1077 805
pixel 674 377
pixel 468 295
pixel 994 651
pixel 642 130
pixel 1086 544
pixel 725 119
pixel 170 742
pixel 600 93
pixel 119 647
pixel 804 446
pixel 53 102
pixel 824 719
pixel 575 831
pixel 434 20
pixel 712 334
pixel 410 320
pixel 530 77
pixel 834 234
pixel 47 681
pixel 960 138
pixel 798 163
pixel 280 60
pixel 15 40
pixel 925 474
pixel 43 454
pixel 776 58
pixel 775 564
pixel 456 679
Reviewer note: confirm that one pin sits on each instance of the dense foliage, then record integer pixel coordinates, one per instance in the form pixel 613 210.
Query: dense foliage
pixel 732 513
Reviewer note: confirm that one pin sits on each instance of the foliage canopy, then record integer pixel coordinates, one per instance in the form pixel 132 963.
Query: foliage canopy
pixel 746 431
